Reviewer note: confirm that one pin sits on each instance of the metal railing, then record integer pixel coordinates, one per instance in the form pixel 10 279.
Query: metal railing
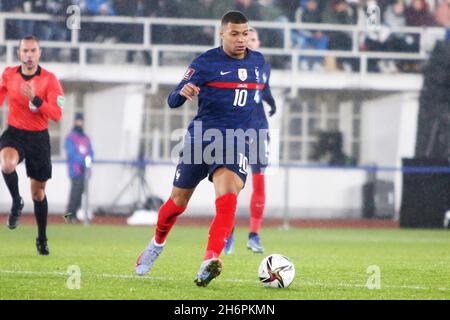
pixel 283 28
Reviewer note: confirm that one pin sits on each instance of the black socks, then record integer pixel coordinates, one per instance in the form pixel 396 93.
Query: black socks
pixel 41 212
pixel 12 182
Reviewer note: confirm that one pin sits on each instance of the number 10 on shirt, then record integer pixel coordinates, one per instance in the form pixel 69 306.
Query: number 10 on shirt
pixel 240 97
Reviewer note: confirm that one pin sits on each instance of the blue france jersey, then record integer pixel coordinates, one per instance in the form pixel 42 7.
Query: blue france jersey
pixel 259 119
pixel 230 89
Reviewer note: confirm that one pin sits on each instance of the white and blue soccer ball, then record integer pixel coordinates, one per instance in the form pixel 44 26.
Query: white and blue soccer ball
pixel 276 271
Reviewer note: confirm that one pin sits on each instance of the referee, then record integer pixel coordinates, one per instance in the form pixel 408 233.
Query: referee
pixel 35 95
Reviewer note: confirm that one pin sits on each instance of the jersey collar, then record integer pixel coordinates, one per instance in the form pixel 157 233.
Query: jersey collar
pixel 28 77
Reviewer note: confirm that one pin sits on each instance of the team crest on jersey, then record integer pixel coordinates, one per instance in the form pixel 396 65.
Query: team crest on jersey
pixel 189 73
pixel 242 74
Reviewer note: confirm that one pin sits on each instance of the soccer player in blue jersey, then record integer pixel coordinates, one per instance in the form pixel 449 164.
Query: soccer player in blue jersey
pixel 227 81
pixel 259 122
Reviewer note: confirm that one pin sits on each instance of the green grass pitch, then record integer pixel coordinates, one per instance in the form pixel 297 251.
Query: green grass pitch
pixel 330 264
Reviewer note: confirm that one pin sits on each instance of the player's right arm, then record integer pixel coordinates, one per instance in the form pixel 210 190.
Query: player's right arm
pixel 188 87
pixel 3 89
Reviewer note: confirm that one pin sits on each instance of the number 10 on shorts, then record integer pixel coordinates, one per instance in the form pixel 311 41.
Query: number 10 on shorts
pixel 243 164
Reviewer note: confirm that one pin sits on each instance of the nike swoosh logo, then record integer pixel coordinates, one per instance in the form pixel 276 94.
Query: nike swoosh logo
pixel 224 73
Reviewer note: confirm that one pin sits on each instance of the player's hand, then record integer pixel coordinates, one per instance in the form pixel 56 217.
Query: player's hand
pixel 272 111
pixel 28 91
pixel 189 90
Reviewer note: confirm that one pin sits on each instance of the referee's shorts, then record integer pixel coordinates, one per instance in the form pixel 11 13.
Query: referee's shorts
pixel 34 147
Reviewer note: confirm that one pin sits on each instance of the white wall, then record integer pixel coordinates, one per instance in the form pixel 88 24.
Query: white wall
pixel 313 193
pixel 113 122
pixel 389 127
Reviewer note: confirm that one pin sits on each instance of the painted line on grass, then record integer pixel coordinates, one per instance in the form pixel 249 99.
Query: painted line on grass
pixel 302 282
pixel 65 274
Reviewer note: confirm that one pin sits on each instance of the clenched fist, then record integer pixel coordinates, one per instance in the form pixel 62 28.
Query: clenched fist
pixel 189 90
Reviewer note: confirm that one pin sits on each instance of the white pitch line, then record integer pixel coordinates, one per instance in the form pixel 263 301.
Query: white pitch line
pixel 302 283
pixel 65 274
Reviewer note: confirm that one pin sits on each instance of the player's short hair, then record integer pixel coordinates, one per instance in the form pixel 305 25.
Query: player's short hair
pixel 236 17
pixel 251 29
pixel 30 37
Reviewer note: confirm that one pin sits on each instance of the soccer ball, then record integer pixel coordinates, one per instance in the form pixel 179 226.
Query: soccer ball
pixel 276 271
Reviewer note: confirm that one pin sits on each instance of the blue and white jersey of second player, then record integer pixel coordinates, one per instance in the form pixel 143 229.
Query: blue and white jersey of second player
pixel 230 89
pixel 259 118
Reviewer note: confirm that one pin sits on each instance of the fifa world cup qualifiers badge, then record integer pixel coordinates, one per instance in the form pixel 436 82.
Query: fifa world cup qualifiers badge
pixel 60 101
pixel 189 73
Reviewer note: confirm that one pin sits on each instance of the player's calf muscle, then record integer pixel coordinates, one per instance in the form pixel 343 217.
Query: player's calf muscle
pixel 180 196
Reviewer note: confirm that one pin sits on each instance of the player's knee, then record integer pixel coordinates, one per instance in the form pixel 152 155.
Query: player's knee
pixel 38 195
pixel 234 189
pixel 8 167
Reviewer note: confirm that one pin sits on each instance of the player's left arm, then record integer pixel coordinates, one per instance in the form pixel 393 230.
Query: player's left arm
pixel 53 102
pixel 267 96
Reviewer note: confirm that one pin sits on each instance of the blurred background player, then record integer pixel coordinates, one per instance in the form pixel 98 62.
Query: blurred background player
pixel 35 95
pixel 259 122
pixel 217 77
pixel 78 147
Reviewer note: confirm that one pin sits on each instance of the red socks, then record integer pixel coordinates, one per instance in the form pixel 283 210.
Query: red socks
pixel 167 216
pixel 221 226
pixel 257 203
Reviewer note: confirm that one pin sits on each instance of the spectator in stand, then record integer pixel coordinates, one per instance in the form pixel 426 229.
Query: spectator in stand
pixel 289 8
pixel 273 38
pixel 339 12
pixel 418 14
pixel 99 32
pixel 12 26
pixel 130 33
pixel 24 27
pixel 126 8
pixel 166 34
pixel 394 17
pixel 251 8
pixel 55 29
pixel 202 9
pixel 270 11
pixel 321 4
pixel 307 39
pixel 375 39
pixel 99 8
pixel 442 16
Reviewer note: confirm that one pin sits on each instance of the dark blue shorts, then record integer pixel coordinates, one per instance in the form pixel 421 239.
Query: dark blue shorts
pixel 199 160
pixel 259 152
